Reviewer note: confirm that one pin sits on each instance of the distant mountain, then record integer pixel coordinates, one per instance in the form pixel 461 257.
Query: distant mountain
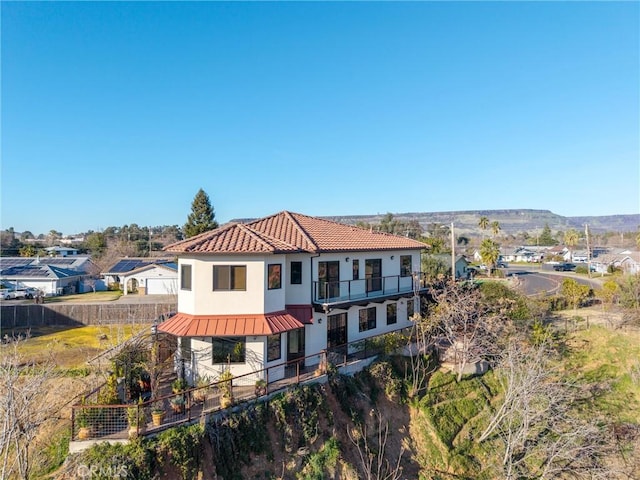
pixel 511 221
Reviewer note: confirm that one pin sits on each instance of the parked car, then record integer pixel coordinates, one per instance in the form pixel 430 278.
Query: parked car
pixel 564 267
pixel 32 292
pixel 502 265
pixel 15 294
pixel 3 294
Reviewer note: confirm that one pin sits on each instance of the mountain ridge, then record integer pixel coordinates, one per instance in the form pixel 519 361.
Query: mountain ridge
pixel 511 221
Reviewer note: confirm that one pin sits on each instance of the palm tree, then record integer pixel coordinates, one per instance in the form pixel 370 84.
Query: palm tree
pixel 483 224
pixel 489 251
pixel 495 227
pixel 571 238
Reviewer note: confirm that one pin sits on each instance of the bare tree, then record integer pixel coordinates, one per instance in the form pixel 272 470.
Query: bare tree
pixel 536 423
pixel 467 326
pixel 420 366
pixel 24 408
pixel 372 450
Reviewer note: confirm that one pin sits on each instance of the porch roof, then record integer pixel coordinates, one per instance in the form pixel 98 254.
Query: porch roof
pixel 186 325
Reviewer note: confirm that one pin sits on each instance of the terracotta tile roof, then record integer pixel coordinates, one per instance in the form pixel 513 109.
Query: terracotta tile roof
pixel 185 325
pixel 288 232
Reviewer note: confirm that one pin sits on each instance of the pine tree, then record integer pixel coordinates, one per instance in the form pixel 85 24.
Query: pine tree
pixel 545 237
pixel 202 216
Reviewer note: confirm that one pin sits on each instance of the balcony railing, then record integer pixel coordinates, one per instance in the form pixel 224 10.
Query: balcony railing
pixel 366 288
pixel 107 422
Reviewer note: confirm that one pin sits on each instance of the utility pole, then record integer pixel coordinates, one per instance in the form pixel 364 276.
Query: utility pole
pixel 453 254
pixel 586 234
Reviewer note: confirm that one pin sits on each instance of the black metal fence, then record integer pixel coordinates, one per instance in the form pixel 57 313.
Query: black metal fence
pixel 90 422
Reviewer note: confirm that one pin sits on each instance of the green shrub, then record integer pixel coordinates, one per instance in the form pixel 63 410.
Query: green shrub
pixel 319 465
pixel 236 437
pixel 385 375
pixel 182 446
pixel 106 461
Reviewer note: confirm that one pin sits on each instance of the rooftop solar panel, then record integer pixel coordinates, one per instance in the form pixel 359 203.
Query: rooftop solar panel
pixel 128 265
pixel 12 262
pixel 58 261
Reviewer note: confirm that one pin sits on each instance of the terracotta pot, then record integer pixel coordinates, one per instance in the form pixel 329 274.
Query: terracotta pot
pixel 226 402
pixel 157 418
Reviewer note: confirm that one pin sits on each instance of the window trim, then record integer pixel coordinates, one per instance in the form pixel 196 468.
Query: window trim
pixel 368 323
pixel 355 268
pixel 295 280
pixel 271 343
pixel 231 279
pixel 395 313
pixel 274 270
pixel 231 359
pixel 187 286
pixel 411 306
pixel 406 271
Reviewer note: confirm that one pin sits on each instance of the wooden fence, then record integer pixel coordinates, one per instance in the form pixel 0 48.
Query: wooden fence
pixel 39 315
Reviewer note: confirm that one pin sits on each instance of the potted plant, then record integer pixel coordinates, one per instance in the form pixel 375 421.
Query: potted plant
pixel 179 385
pixel 261 387
pixel 137 420
pixel 226 388
pixel 157 413
pixel 83 421
pixel 177 404
pixel 202 388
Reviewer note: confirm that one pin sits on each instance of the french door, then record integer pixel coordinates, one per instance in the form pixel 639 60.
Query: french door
pixel 373 274
pixel 328 280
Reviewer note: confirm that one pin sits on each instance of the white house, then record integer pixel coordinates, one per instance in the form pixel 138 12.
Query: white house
pixel 50 275
pixel 58 251
pixel 145 275
pixel 285 287
pixel 626 260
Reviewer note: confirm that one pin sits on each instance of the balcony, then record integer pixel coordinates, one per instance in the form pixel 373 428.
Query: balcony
pixel 345 293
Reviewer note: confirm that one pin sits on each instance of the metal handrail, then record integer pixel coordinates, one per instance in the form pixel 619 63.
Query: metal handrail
pixel 363 288
pixel 204 400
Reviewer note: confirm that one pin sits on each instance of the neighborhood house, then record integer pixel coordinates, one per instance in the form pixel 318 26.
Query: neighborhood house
pixel 278 289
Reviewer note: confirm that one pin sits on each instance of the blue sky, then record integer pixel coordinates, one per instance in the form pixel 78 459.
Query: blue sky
pixel 116 113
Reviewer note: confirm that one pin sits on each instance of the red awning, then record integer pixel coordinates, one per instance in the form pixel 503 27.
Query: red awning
pixel 185 325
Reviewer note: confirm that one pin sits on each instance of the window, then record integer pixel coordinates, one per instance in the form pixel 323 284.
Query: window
pixel 405 265
pixel 228 349
pixel 410 308
pixel 367 319
pixel 229 277
pixel 337 330
pixel 296 273
pixel 185 277
pixel 274 351
pixel 392 313
pixel 328 280
pixel 373 274
pixel 274 273
pixel 356 269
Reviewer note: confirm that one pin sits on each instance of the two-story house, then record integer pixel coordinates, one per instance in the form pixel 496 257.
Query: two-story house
pixel 281 288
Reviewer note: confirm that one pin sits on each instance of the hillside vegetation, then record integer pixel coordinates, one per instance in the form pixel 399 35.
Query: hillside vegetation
pixel 367 426
pixel 561 400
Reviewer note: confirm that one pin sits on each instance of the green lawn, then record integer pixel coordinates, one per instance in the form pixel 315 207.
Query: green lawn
pixel 86 297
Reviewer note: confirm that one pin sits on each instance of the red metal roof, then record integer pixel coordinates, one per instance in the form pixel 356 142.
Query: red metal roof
pixel 288 232
pixel 186 325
